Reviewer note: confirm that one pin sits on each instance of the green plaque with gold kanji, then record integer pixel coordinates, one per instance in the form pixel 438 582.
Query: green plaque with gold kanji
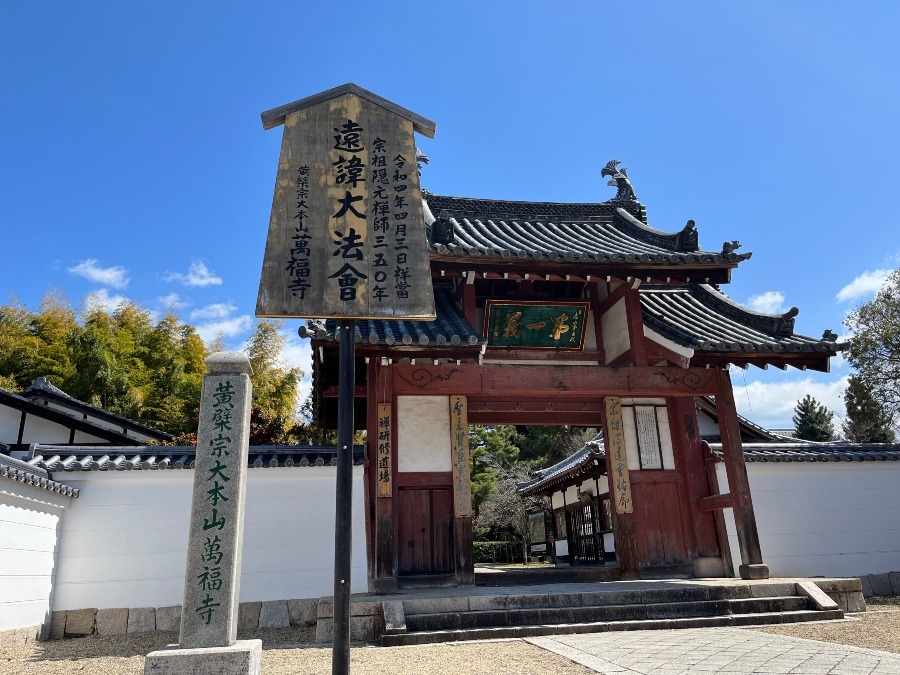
pixel 535 325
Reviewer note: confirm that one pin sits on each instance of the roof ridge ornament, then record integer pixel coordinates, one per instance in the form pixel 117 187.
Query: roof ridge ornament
pixel 619 178
pixel 688 239
pixel 730 246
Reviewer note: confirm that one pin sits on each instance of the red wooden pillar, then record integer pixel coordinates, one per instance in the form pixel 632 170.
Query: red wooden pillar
pixel 623 523
pixel 384 578
pixel 752 566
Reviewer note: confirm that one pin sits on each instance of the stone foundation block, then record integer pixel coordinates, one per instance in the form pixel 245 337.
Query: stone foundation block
pixel 242 658
pixel 894 578
pixel 19 637
pixel 362 629
pixel 112 621
pixel 753 572
pixel 141 619
pixel 394 617
pixel 80 622
pixel 274 614
pixel 705 568
pixel 301 612
pixel 248 615
pixel 57 625
pixel 168 618
pixel 866 586
pixel 881 584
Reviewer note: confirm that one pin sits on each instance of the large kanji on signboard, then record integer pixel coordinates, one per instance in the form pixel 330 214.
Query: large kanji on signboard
pixel 347 232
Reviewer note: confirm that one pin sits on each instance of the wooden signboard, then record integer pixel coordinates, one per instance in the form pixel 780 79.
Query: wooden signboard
pixel 347 232
pixel 459 448
pixel 535 325
pixel 615 445
pixel 383 460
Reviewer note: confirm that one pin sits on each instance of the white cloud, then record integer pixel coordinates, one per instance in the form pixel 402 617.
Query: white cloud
pixel 198 275
pixel 103 300
pixel 867 283
pixel 770 302
pixel 298 354
pixel 117 276
pixel 219 310
pixel 226 327
pixel 772 404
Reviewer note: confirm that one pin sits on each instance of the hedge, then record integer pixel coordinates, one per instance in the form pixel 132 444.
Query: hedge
pixel 498 551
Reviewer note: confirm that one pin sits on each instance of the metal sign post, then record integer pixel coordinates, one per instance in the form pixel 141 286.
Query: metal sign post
pixel 340 657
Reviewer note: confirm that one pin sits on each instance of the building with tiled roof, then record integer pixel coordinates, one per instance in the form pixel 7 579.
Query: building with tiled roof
pixel 43 413
pixel 550 313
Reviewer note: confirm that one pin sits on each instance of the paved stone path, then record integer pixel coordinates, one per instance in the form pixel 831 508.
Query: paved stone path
pixel 734 651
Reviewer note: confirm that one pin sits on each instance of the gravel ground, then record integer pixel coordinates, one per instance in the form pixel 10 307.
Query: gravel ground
pixel 288 652
pixel 877 628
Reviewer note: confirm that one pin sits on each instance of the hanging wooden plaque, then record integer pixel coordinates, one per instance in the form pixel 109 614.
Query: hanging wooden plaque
pixel 615 446
pixel 347 232
pixel 459 448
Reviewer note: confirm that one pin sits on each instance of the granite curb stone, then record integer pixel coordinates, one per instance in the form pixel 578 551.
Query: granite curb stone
pixel 302 612
pixel 112 621
pixel 141 619
pixel 80 622
pixel 168 618
pixel 274 614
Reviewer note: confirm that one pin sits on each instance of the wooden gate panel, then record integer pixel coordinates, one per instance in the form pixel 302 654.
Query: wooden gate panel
pixel 414 531
pixel 661 539
pixel 425 534
pixel 442 530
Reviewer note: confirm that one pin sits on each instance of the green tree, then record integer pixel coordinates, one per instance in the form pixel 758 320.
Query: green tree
pixel 543 446
pixel 276 386
pixel 874 349
pixel 489 448
pixel 866 421
pixel 813 421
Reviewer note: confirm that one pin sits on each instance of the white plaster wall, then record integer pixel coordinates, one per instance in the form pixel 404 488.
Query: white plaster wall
pixel 9 424
pixel 614 325
pixel 124 542
pixel 423 433
pixel 29 532
pixel 40 430
pixel 824 518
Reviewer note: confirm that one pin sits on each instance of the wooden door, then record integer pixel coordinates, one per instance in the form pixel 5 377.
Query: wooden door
pixel 425 533
pixel 662 538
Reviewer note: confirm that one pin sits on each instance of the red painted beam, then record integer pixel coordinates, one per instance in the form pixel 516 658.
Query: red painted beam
pixel 579 382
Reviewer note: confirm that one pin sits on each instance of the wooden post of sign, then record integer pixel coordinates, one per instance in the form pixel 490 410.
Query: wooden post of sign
pixel 752 566
pixel 462 491
pixel 620 489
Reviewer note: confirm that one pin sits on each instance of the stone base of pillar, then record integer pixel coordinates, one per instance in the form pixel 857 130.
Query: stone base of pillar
pixel 242 658
pixel 752 572
pixel 383 585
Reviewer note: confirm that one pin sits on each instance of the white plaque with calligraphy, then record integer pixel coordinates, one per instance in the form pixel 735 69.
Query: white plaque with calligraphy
pixel 648 437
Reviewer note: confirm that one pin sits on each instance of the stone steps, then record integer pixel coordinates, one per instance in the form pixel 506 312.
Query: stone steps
pixel 603 626
pixel 420 621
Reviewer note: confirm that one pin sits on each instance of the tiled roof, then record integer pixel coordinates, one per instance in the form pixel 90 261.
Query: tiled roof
pixel 587 455
pixel 127 458
pixel 24 472
pixel 809 451
pixel 450 328
pixel 587 233
pixel 42 388
pixel 705 319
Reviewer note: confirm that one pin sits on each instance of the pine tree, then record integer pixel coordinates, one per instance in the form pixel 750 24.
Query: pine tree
pixel 813 421
pixel 866 422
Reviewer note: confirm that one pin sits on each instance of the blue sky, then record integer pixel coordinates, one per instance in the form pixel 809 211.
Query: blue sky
pixel 133 163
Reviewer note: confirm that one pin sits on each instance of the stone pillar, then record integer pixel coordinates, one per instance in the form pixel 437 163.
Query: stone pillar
pixel 208 641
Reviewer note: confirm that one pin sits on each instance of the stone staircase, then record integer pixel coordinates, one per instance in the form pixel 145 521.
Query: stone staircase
pixel 483 616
